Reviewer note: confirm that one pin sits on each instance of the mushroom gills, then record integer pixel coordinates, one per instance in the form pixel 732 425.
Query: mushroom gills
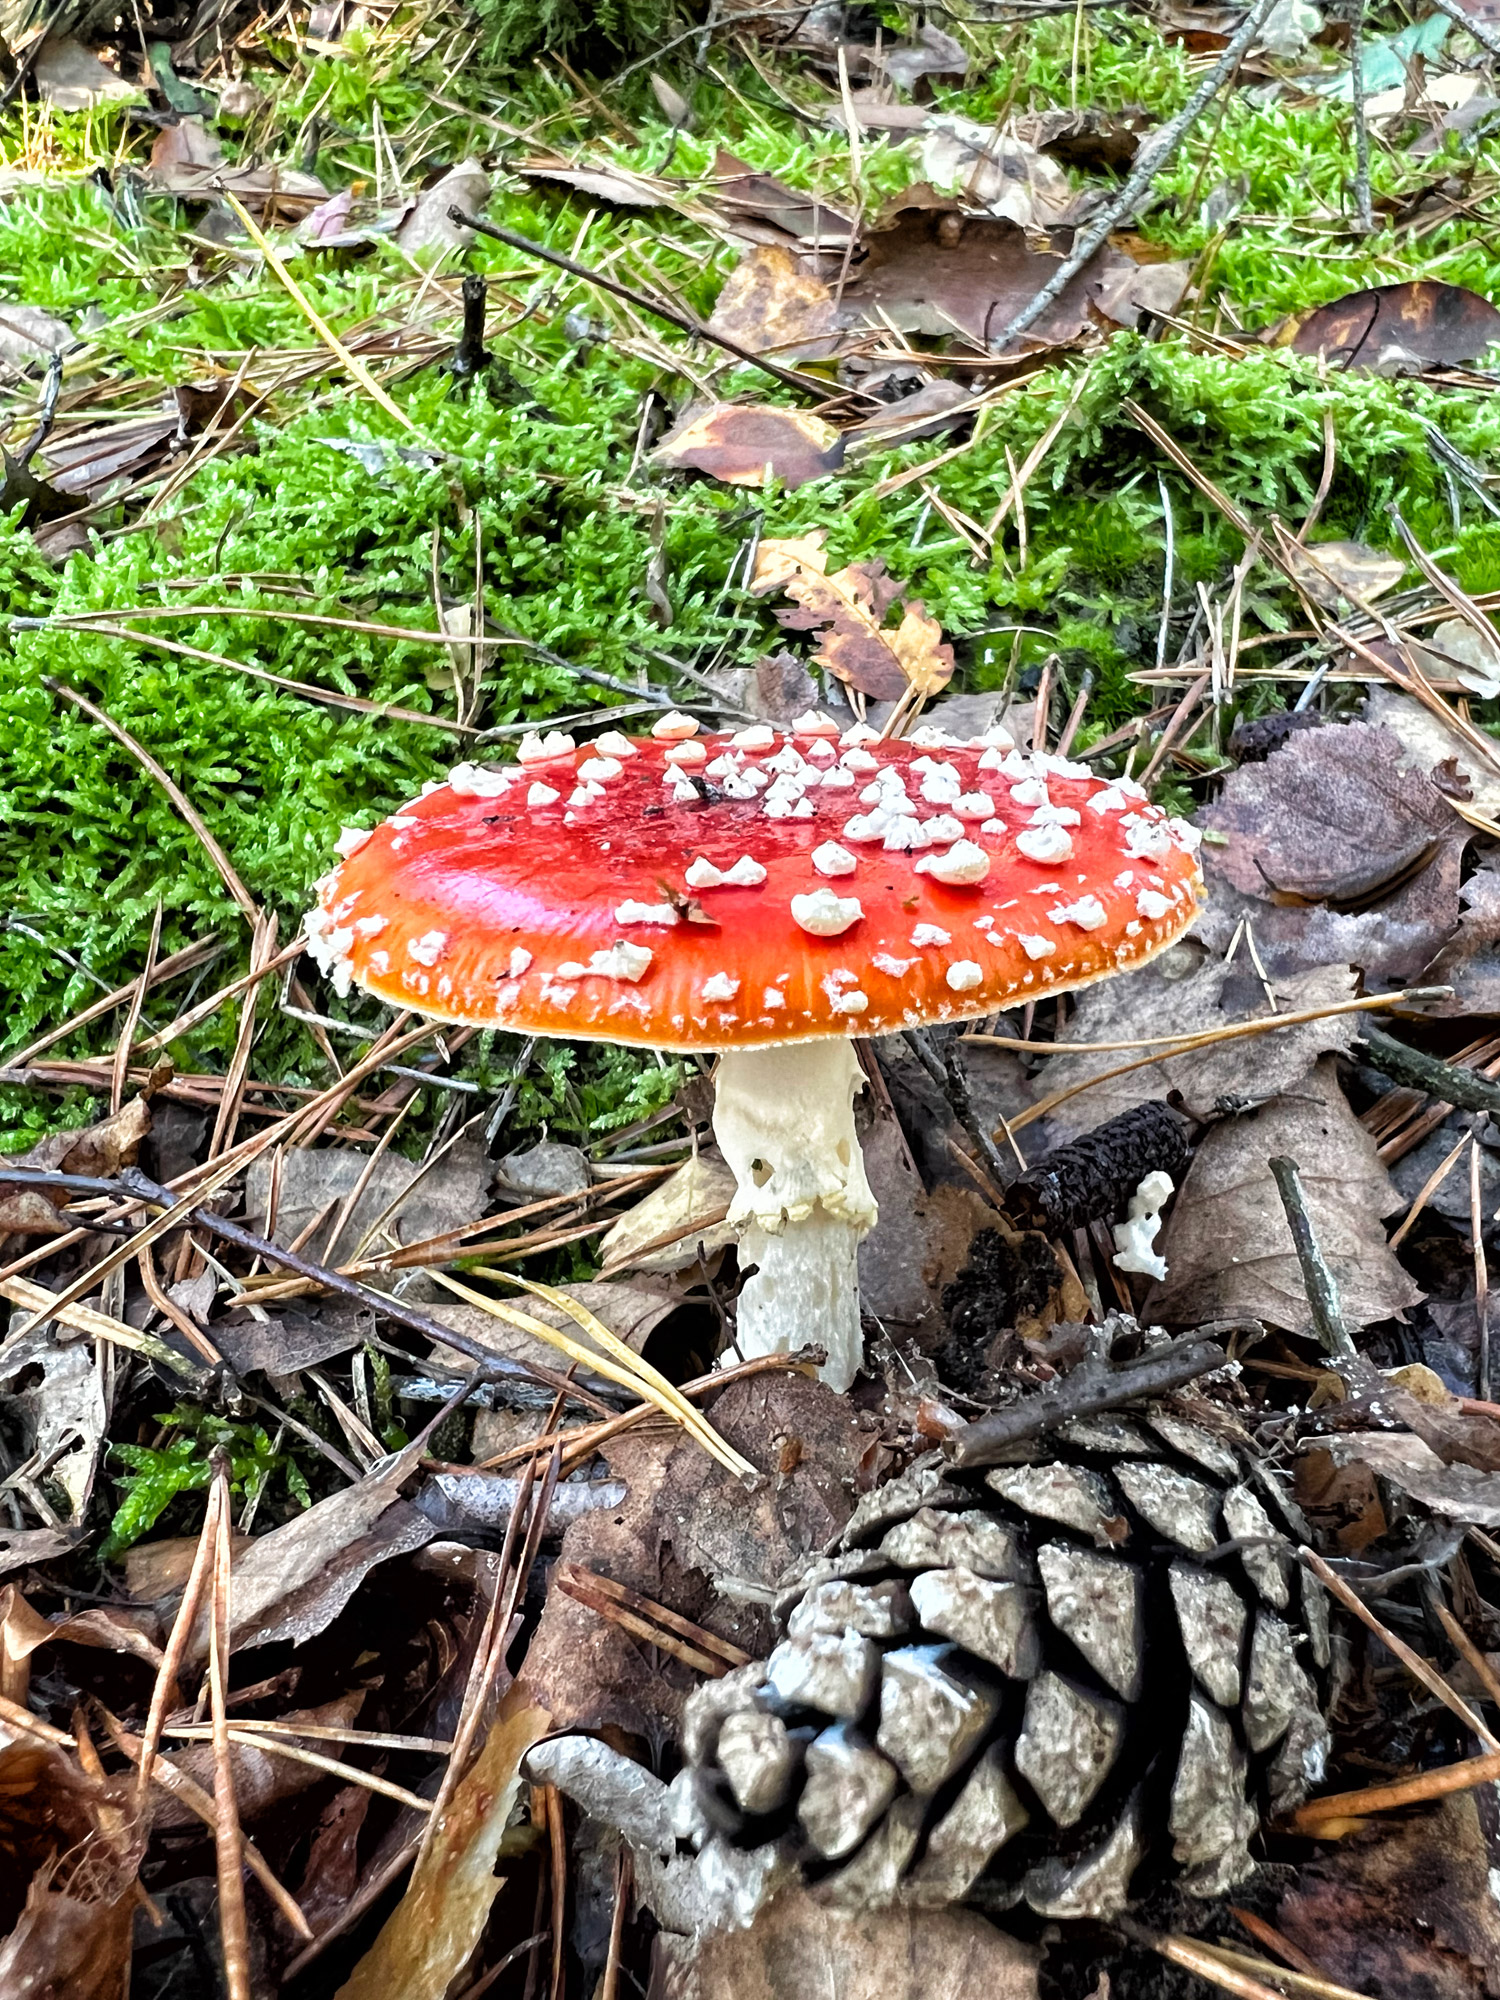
pixel 784 1120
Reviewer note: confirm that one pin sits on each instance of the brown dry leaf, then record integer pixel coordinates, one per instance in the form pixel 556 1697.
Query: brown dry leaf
pixel 71 1848
pixel 70 1947
pixel 931 270
pixel 1092 140
pixel 1470 961
pixel 1397 329
pixel 261 1778
pixel 685 1526
pixel 1406 1907
pixel 771 303
pixel 408 1204
pixel 100 1150
pixel 70 78
pixel 1429 745
pixel 1458 1492
pixel 295 1581
pixel 847 611
pixel 429 232
pixel 990 171
pixel 1228 1246
pixel 1331 572
pixel 662 1232
pixel 767 210
pixel 737 442
pixel 1471 658
pixel 106 1627
pixel 1338 854
pixel 432 1933
pixel 187 160
pixel 795 1945
pixel 1185 992
pixel 932 54
pixel 602 183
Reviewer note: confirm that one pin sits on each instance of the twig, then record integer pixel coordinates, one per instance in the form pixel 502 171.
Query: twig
pixel 1316 1816
pixel 643 302
pixel 174 792
pixel 1153 156
pixel 1364 214
pixel 1318 1280
pixel 177 1644
pixel 946 1071
pixel 1464 1089
pixel 1414 1664
pixel 234 1927
pixel 1095 1384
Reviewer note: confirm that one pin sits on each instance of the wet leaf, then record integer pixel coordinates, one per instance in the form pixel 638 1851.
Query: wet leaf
pixel 932 270
pixel 1331 819
pixel 771 303
pixel 766 204
pixel 1331 572
pixel 737 442
pixel 1228 1246
pixel 848 612
pixel 1398 329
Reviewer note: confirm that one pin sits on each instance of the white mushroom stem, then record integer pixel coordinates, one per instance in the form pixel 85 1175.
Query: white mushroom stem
pixel 784 1120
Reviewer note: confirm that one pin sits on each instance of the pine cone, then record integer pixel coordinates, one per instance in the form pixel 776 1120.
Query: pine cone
pixel 1061 1683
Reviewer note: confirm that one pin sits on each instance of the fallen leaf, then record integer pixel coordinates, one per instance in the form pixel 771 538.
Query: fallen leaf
pixel 432 1933
pixel 1470 961
pixel 546 1168
pixel 1455 648
pixel 1451 1197
pixel 98 1150
pixel 106 1628
pixel 61 1412
pixel 602 183
pixel 1331 572
pixel 187 160
pixel 27 335
pixel 1398 329
pixel 847 611
pixel 187 144
pixel 332 1872
pixel 1405 1907
pixel 1458 1492
pixel 937 406
pixel 1332 819
pixel 262 1780
pixel 933 53
pixel 771 303
pixel 935 271
pixel 737 443
pixel 70 78
pixel 741 196
pixel 1228 1246
pixel 993 171
pixel 70 1947
pixel 22 1547
pixel 796 1944
pixel 664 1229
pixel 398 1201
pixel 1092 140
pixel 1186 992
pixel 429 232
pixel 1429 743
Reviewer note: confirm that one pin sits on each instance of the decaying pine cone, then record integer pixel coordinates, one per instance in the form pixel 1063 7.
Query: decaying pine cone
pixel 1061 1683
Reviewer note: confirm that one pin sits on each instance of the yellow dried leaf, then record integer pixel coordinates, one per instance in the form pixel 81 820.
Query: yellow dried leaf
pixel 847 610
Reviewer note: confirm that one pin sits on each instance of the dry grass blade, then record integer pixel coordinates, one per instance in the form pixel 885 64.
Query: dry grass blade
pixel 1338 1812
pixel 1195 1956
pixel 164 1693
pixel 98 1325
pixel 203 1010
pixel 315 319
pixel 369 628
pixel 1413 1662
pixel 187 960
pixel 704 1651
pixel 627 1357
pixel 668 1402
pixel 1476 1662
pixel 174 792
pixel 234 1926
pixel 348 1774
pixel 1297 1982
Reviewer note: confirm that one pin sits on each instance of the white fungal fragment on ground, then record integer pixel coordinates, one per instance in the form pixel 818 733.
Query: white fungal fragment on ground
pixel 536 749
pixel 1135 1236
pixel 831 859
pixel 645 913
pixel 965 862
pixel 1037 947
pixel 720 987
pixel 473 781
pixel 926 934
pixel 351 840
pixel 964 975
pixel 1088 913
pixel 428 948
pixel 674 727
pixel 520 961
pixel 1152 904
pixel 1045 843
pixel 542 795
pixel 822 914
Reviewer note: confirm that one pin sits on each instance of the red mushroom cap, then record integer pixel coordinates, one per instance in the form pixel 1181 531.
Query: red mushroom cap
pixel 740 890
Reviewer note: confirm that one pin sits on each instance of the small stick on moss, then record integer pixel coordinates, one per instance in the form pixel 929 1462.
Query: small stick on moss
pixel 1153 157
pixel 643 302
pixel 1318 1280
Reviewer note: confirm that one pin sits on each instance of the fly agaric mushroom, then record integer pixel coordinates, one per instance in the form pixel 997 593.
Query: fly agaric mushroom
pixel 764 896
